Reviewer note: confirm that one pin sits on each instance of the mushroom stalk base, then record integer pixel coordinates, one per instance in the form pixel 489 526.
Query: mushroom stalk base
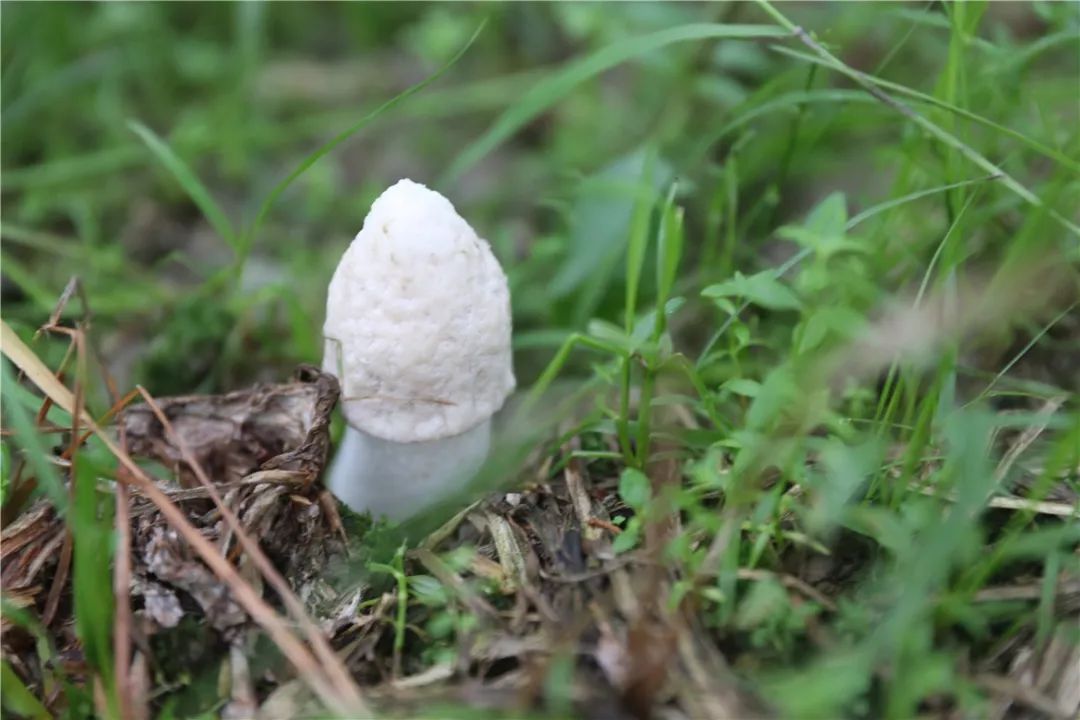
pixel 398 480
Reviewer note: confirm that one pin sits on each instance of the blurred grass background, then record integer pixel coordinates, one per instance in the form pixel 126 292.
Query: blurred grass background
pixel 243 93
pixel 770 153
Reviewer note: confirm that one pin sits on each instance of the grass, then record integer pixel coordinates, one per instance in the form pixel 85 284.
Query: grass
pixel 794 292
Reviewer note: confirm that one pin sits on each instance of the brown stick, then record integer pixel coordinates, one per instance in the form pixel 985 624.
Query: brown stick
pixel 63 565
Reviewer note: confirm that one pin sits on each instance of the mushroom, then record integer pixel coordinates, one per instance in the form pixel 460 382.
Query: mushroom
pixel 418 334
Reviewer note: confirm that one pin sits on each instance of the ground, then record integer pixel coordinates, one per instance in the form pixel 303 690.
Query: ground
pixel 795 302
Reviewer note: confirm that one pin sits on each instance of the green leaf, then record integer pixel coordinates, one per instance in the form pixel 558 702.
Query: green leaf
pixel 673 305
pixel 824 231
pixel 628 538
pixel 17 698
pixel 822 244
pixel 5 472
pixel 824 687
pixel 91 582
pixel 741 333
pixel 29 440
pixel 612 335
pixel 841 320
pixel 428 590
pixel 634 488
pixel 881 524
pixel 765 602
pixel 778 393
pixel 846 469
pixel 742 386
pixel 762 289
pixel 830 215
pixel 725 305
pixel 814 331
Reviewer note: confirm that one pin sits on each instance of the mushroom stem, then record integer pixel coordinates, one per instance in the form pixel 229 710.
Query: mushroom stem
pixel 398 480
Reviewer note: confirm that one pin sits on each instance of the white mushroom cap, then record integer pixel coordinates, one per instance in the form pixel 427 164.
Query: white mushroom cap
pixel 418 321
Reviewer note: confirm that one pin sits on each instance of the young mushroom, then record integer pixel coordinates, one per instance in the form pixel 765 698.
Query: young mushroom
pixel 418 334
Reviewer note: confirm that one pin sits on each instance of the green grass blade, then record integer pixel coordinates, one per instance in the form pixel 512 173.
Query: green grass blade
pixel 790 100
pixel 28 438
pixel 635 262
pixel 1024 351
pixel 910 197
pixel 553 88
pixel 669 244
pixel 639 239
pixel 945 137
pixel 191 184
pixel 939 251
pixel 91 526
pixel 922 97
pixel 17 698
pixel 937 21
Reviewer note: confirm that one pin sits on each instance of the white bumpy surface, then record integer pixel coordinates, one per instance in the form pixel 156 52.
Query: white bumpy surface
pixel 418 321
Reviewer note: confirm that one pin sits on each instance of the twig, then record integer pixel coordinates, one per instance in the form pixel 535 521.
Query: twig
pixel 506 547
pixel 1007 502
pixel 1030 435
pixel 1041 507
pixel 61 303
pixel 604 524
pixel 1024 592
pixel 579 498
pixel 434 674
pixel 592 575
pixel 868 85
pixel 63 567
pixel 113 410
pixel 446 529
pixel 1021 693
